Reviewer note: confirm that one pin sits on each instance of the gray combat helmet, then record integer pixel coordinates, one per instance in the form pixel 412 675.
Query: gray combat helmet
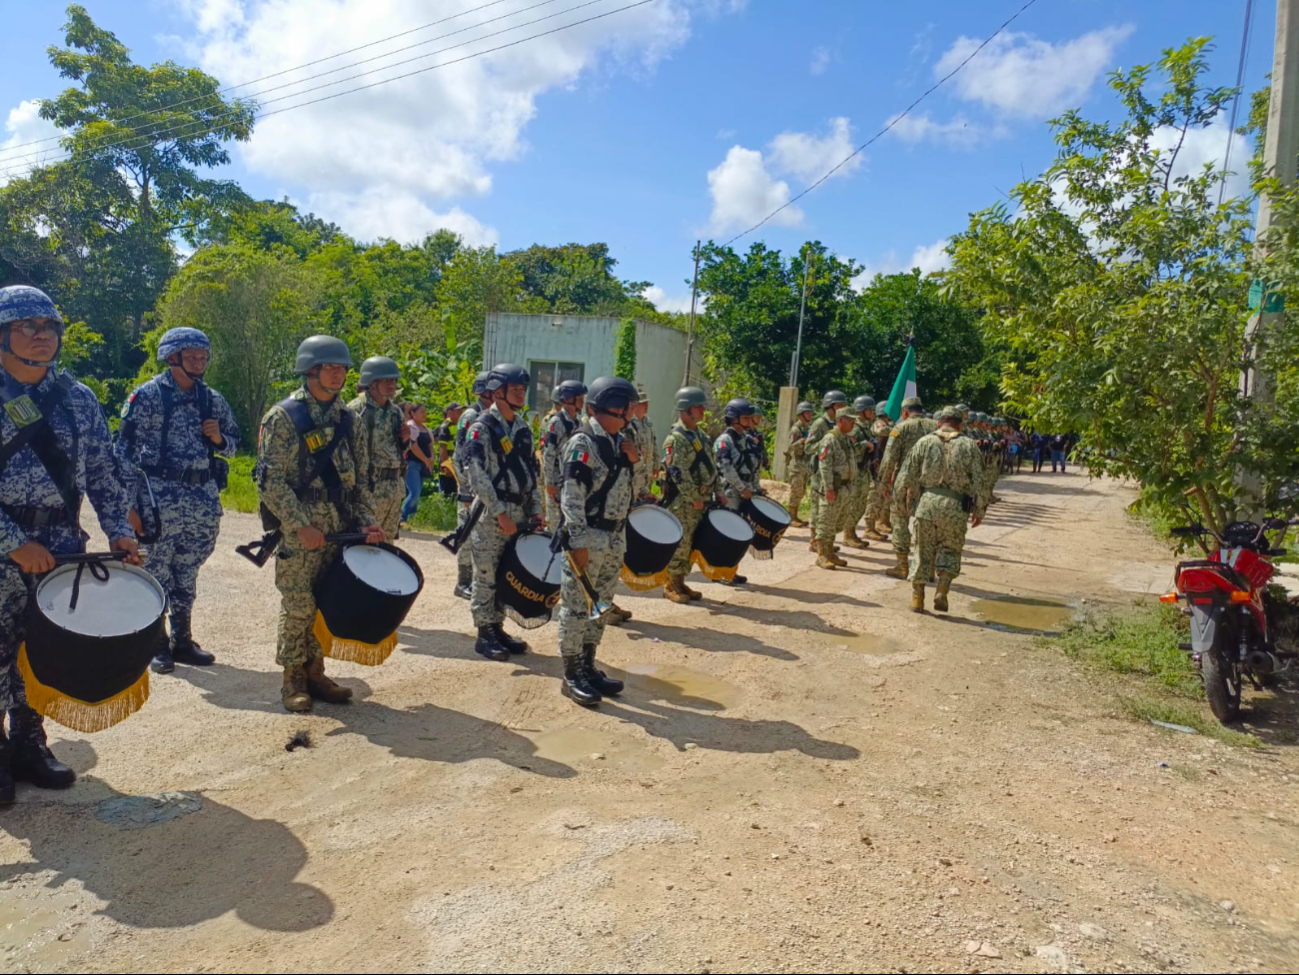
pixel 863 403
pixel 833 398
pixel 689 397
pixel 506 374
pixel 322 350
pixel 480 383
pixel 611 393
pixel 375 368
pixel 806 407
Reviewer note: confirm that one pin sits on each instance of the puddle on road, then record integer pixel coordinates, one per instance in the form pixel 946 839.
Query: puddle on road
pixel 868 643
pixel 580 746
pixel 32 939
pixel 1023 613
pixel 682 686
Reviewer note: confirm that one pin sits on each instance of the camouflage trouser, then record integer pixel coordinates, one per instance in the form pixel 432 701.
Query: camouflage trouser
pixel 488 542
pixel 940 538
pixel 389 496
pixel 16 588
pixel 818 502
pixel 465 557
pixel 605 551
pixel 190 517
pixel 689 518
pixel 830 514
pixel 799 475
pixel 900 519
pixel 296 572
pixel 855 507
pixel 876 508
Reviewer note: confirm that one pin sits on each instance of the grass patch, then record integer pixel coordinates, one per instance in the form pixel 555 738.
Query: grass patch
pixel 1150 708
pixel 240 493
pixel 436 512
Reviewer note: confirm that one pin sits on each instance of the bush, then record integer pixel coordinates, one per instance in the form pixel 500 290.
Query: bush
pixel 241 493
pixel 436 512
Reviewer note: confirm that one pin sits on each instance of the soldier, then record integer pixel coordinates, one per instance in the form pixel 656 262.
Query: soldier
pixel 55 449
pixel 831 402
pixel 176 432
pixel 863 446
pixel 310 464
pixel 690 480
pixel 836 466
pixel 876 504
pixel 901 439
pixel 758 443
pixel 596 497
pixel 641 431
pixel 465 497
pixel 797 469
pixel 945 470
pixel 379 422
pixel 503 474
pixel 570 398
pixel 737 463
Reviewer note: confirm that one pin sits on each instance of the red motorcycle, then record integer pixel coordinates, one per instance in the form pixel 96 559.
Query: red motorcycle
pixel 1231 610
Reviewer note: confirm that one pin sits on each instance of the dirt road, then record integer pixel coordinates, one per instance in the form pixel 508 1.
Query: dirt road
pixel 802 776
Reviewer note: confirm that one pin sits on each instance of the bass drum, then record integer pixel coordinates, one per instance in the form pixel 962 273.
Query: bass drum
pixel 769 520
pixel 92 630
pixel 528 579
pixel 362 598
pixel 719 544
pixel 653 536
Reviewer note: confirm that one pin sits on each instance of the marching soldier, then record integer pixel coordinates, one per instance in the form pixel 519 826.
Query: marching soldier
pixel 379 421
pixel 945 470
pixel 876 505
pixel 737 462
pixel 310 464
pixel 55 449
pixel 176 431
pixel 689 483
pixel 902 438
pixel 758 443
pixel 570 398
pixel 596 498
pixel 502 474
pixel 465 497
pixel 831 402
pixel 798 471
pixel 836 470
pixel 863 446
pixel 641 432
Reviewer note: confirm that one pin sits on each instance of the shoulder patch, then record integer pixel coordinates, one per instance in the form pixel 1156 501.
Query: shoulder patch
pixel 579 456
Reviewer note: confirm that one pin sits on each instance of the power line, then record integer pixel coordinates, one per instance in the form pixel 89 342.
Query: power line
pixel 1235 102
pixel 894 121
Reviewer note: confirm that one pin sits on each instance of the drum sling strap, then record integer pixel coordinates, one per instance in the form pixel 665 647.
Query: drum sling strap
pixel 34 430
pixel 616 462
pixel 321 469
pixel 217 469
pixel 515 462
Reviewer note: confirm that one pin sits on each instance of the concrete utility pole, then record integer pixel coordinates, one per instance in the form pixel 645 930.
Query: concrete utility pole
pixel 1280 158
pixel 802 307
pixel 690 333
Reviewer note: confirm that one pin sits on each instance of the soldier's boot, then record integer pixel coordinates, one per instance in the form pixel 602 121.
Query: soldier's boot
pixel 675 590
pixel 814 545
pixel 917 597
pixel 851 540
pixel 797 523
pixel 465 582
pixel 294 695
pixel 874 534
pixel 163 662
pixel 510 643
pixel 694 594
pixel 940 597
pixel 322 688
pixel 833 556
pixel 901 569
pixel 489 644
pixel 618 616
pixel 30 758
pixel 7 791
pixel 577 685
pixel 885 525
pixel 183 648
pixel 825 563
pixel 606 685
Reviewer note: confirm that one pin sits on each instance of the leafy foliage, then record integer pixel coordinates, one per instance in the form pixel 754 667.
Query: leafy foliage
pixel 624 350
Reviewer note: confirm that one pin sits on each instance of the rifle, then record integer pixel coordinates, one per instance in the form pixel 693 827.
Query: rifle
pixel 454 542
pixel 259 551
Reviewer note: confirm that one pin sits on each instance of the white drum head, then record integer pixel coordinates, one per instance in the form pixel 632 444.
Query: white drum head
pixel 776 512
pixel 535 554
pixel 731 525
pixel 382 570
pixel 657 525
pixel 127 603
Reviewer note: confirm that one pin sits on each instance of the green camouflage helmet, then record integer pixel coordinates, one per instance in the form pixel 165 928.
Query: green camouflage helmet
pixel 689 397
pixel 322 350
pixel 377 367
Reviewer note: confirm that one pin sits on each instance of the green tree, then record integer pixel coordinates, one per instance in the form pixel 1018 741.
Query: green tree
pixel 478 282
pixel 624 350
pixel 578 279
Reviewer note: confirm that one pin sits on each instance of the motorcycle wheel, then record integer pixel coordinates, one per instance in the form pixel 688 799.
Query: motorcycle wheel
pixel 1221 682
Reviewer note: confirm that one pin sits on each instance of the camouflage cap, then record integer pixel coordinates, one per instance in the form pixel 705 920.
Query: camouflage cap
pixel 912 403
pixel 952 414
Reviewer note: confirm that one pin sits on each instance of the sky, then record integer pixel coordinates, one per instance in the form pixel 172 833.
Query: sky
pixel 650 127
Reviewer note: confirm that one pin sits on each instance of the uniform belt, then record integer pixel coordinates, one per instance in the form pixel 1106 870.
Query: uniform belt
pixel 180 474
pixel 387 473
pixel 510 497
pixel 335 495
pixel 37 516
pixel 946 492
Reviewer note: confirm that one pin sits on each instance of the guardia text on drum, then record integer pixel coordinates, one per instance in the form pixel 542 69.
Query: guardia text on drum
pixel 379 423
pixel 54 450
pixel 570 400
pixel 502 474
pixel 309 464
pixel 465 496
pixel 172 445
pixel 689 482
pixel 902 438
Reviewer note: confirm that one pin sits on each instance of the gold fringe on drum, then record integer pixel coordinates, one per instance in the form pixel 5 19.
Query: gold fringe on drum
pixel 643 583
pixel 713 572
pixel 353 651
pixel 762 554
pixel 83 716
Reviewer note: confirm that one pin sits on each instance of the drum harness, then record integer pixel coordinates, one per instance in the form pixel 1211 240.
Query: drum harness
pixel 217 468
pixel 370 412
pixel 750 459
pixel 34 430
pixel 515 463
pixel 671 480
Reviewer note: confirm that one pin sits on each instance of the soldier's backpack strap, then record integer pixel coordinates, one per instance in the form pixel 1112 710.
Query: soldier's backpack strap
pixel 701 455
pixel 34 430
pixel 518 460
pixel 616 462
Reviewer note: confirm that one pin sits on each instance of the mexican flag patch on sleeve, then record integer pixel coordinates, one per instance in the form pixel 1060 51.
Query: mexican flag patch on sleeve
pixel 579 456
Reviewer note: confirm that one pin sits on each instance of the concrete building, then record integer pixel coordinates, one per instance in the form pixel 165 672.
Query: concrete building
pixel 557 347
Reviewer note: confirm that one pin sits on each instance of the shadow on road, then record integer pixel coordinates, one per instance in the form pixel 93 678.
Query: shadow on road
pixel 704 638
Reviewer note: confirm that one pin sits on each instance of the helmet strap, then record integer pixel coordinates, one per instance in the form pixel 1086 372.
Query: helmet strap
pixel 5 347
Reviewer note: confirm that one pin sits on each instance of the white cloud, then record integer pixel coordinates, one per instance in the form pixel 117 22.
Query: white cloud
pixel 25 125
pixel 661 300
pixel 1208 146
pixel 927 257
pixel 821 59
pixel 378 212
pixel 809 157
pixel 959 132
pixel 744 192
pixel 1022 75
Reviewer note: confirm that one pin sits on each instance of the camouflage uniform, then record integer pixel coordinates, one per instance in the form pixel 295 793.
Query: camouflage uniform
pixel 836 471
pixel 593 457
pixel 737 467
pixel 902 438
pixel 28 494
pixel 559 427
pixel 818 429
pixel 380 427
pixel 876 506
pixel 862 442
pixel 642 434
pixel 519 496
pixel 692 471
pixel 189 512
pixel 943 468
pixel 798 472
pixel 465 557
pixel 298 569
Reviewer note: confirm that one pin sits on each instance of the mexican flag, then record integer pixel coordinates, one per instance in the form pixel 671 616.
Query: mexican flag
pixel 905 385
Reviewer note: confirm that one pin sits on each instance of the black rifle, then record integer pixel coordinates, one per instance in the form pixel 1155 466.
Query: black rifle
pixel 454 542
pixel 259 551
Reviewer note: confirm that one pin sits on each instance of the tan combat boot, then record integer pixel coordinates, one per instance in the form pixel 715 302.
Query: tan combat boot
pixel 675 590
pixel 901 570
pixel 294 692
pixel 851 540
pixel 829 554
pixel 694 594
pixel 940 597
pixel 322 688
pixel 875 535
pixel 825 563
pixel 917 597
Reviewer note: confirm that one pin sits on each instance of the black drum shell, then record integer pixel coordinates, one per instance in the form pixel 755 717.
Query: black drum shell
pixel 644 557
pixel 718 549
pixel 767 532
pixel 517 588
pixel 355 610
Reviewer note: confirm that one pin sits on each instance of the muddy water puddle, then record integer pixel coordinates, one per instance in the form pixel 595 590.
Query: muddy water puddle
pixel 682 686
pixel 1023 613
pixel 35 938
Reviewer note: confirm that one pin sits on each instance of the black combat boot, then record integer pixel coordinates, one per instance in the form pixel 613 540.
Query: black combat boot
pixel 512 644
pixel 489 644
pixel 163 661
pixel 465 584
pixel 607 686
pixel 32 760
pixel 577 685
pixel 183 648
pixel 6 775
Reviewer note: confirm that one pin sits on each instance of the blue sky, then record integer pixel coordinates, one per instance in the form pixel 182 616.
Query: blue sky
pixel 654 126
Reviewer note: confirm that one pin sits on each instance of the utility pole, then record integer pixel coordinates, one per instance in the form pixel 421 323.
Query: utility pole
pixel 1280 158
pixel 798 347
pixel 690 332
